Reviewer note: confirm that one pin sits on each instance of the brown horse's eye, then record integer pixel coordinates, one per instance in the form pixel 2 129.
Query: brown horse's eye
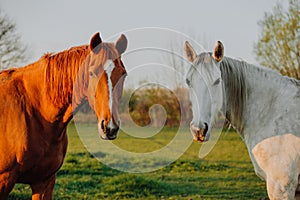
pixel 91 74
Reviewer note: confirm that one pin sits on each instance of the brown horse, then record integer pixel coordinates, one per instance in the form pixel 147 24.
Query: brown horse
pixel 38 101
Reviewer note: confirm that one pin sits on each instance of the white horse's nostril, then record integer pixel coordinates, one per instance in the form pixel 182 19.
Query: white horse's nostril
pixel 205 128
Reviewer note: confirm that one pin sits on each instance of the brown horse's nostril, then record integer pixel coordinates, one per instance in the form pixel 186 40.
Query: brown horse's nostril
pixel 115 130
pixel 105 128
pixel 102 124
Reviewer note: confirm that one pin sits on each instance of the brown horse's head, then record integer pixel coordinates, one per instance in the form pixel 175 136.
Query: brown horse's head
pixel 106 78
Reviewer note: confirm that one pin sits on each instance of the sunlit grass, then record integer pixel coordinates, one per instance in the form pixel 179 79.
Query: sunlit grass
pixel 226 173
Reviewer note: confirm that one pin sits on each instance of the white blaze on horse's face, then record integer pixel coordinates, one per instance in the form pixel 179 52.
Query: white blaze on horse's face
pixel 109 67
pixel 206 91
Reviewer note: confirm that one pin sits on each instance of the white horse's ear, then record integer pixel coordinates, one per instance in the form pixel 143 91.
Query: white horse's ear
pixel 190 52
pixel 218 52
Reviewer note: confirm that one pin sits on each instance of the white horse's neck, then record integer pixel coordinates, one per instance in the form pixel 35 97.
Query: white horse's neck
pixel 267 98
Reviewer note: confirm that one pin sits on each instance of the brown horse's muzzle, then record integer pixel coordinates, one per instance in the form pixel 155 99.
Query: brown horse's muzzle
pixel 108 131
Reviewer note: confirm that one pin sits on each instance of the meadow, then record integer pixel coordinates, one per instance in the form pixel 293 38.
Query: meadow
pixel 225 173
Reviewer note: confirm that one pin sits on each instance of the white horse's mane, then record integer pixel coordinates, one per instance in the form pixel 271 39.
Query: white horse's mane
pixel 234 74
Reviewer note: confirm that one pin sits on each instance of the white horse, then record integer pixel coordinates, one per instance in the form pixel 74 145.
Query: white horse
pixel 262 105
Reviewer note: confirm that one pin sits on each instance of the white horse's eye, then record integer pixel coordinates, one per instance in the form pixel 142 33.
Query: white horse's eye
pixel 188 82
pixel 217 81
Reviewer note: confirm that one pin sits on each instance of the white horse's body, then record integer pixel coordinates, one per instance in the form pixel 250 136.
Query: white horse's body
pixel 272 105
pixel 261 104
pixel 272 130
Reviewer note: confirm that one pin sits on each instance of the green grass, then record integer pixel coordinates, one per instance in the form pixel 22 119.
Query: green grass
pixel 226 173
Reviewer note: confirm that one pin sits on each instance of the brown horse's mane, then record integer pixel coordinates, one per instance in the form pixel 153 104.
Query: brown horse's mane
pixel 62 70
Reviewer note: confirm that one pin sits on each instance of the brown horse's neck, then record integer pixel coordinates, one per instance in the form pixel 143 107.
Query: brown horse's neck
pixel 63 81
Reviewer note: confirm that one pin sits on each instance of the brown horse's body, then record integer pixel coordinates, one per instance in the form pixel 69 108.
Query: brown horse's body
pixel 34 118
pixel 33 143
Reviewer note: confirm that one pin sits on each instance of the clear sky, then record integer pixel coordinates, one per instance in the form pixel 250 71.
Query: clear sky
pixel 51 26
pixel 59 24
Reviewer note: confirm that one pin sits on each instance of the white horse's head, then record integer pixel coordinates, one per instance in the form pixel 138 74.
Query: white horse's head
pixel 206 90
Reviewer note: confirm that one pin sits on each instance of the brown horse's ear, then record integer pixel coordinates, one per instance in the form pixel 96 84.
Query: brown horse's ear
pixel 190 52
pixel 95 41
pixel 121 44
pixel 218 52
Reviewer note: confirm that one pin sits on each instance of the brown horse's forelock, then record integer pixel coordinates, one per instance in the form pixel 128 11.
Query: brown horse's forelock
pixel 235 91
pixel 62 70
